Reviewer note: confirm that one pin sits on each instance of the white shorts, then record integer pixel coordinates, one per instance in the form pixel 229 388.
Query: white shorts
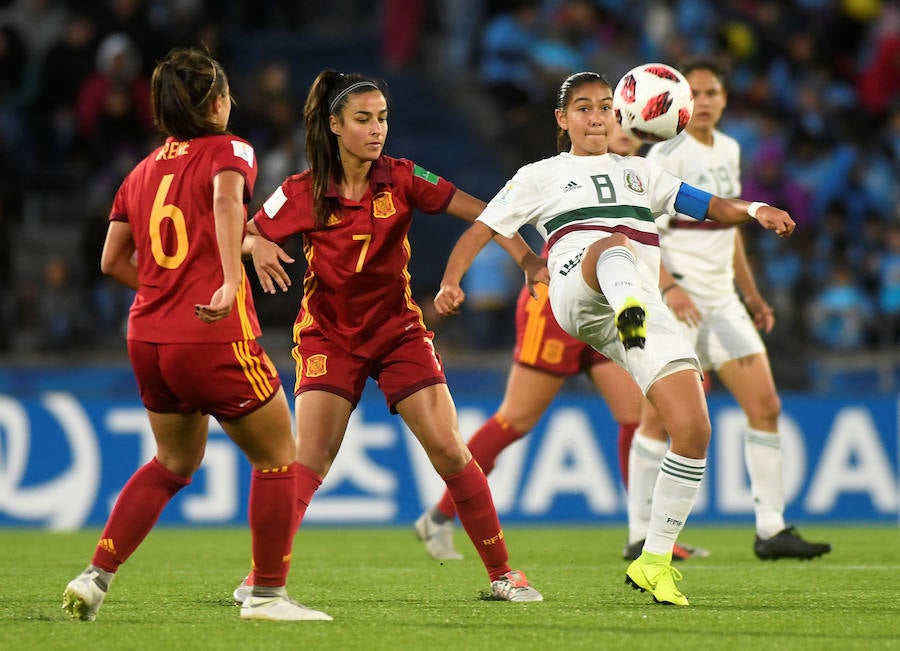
pixel 726 332
pixel 587 316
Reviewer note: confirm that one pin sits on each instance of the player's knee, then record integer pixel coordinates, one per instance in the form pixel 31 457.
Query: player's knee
pixel 765 410
pixel 619 239
pixel 448 457
pixel 181 465
pixel 654 431
pixel 690 435
pixel 615 239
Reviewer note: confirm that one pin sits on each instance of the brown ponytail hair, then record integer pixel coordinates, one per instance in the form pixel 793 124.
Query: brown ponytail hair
pixel 328 96
pixel 183 87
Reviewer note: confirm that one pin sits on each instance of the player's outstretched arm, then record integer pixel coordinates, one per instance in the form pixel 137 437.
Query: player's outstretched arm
pixel 470 243
pixel 468 208
pixel 738 211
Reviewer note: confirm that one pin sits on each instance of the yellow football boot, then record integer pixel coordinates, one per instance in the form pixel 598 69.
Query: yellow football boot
pixel 630 322
pixel 654 573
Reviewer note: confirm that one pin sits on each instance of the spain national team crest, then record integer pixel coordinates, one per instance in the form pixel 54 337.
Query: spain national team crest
pixel 316 365
pixel 383 205
pixel 633 182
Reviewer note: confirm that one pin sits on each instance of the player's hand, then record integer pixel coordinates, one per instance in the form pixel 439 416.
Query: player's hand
pixel 763 314
pixel 682 306
pixel 775 219
pixel 448 299
pixel 219 305
pixel 535 268
pixel 267 259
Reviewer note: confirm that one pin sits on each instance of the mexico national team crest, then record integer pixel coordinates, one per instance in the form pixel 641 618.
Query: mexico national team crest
pixel 633 182
pixel 316 365
pixel 383 205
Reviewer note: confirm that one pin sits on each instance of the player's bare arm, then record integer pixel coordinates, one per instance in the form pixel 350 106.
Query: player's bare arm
pixel 228 210
pixel 470 243
pixel 117 259
pixel 468 208
pixel 267 260
pixel 736 211
pixel 535 268
pixel 762 312
pixel 678 300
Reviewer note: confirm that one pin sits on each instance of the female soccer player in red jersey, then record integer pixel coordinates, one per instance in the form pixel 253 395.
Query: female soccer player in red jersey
pixel 174 236
pixel 357 318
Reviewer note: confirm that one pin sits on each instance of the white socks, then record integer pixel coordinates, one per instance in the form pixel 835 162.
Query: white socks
pixel 762 454
pixel 672 493
pixel 644 460
pixel 617 274
pixel 673 498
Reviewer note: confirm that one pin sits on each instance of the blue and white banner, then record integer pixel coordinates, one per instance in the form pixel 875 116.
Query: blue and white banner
pixel 68 443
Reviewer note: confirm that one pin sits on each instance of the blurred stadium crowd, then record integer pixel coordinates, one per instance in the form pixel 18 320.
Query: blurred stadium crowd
pixel 814 100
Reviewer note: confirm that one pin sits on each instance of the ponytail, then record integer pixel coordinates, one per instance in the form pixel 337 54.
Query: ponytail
pixel 183 86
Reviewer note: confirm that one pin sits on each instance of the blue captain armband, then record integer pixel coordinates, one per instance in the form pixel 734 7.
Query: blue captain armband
pixel 692 201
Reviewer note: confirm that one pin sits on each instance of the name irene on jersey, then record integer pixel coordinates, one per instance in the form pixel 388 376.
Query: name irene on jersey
pixel 172 149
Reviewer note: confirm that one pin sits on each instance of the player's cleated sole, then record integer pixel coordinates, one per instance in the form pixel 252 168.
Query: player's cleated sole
pixel 83 596
pixel 77 606
pixel 788 543
pixel 630 322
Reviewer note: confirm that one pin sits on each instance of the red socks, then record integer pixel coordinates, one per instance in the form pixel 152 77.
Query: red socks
pixel 485 445
pixel 271 514
pixel 626 433
pixel 475 506
pixel 308 483
pixel 137 509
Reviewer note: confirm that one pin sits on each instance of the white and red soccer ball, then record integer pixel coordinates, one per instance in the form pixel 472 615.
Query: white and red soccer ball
pixel 653 101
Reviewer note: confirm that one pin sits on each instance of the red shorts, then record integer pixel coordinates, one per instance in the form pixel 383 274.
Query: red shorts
pixel 412 364
pixel 227 380
pixel 542 344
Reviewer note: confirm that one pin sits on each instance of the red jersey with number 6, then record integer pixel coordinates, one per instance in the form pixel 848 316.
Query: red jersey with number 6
pixel 168 202
pixel 356 290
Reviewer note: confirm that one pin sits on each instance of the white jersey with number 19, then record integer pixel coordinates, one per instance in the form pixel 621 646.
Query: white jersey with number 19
pixel 700 254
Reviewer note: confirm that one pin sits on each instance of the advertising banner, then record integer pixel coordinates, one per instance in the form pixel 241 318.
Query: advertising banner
pixel 69 443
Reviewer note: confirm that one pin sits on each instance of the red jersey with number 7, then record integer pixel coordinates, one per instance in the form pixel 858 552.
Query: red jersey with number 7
pixel 357 285
pixel 167 199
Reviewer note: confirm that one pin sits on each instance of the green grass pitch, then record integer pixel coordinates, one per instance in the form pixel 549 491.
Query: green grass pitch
pixel 385 593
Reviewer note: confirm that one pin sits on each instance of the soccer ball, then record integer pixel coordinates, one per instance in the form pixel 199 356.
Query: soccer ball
pixel 653 101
